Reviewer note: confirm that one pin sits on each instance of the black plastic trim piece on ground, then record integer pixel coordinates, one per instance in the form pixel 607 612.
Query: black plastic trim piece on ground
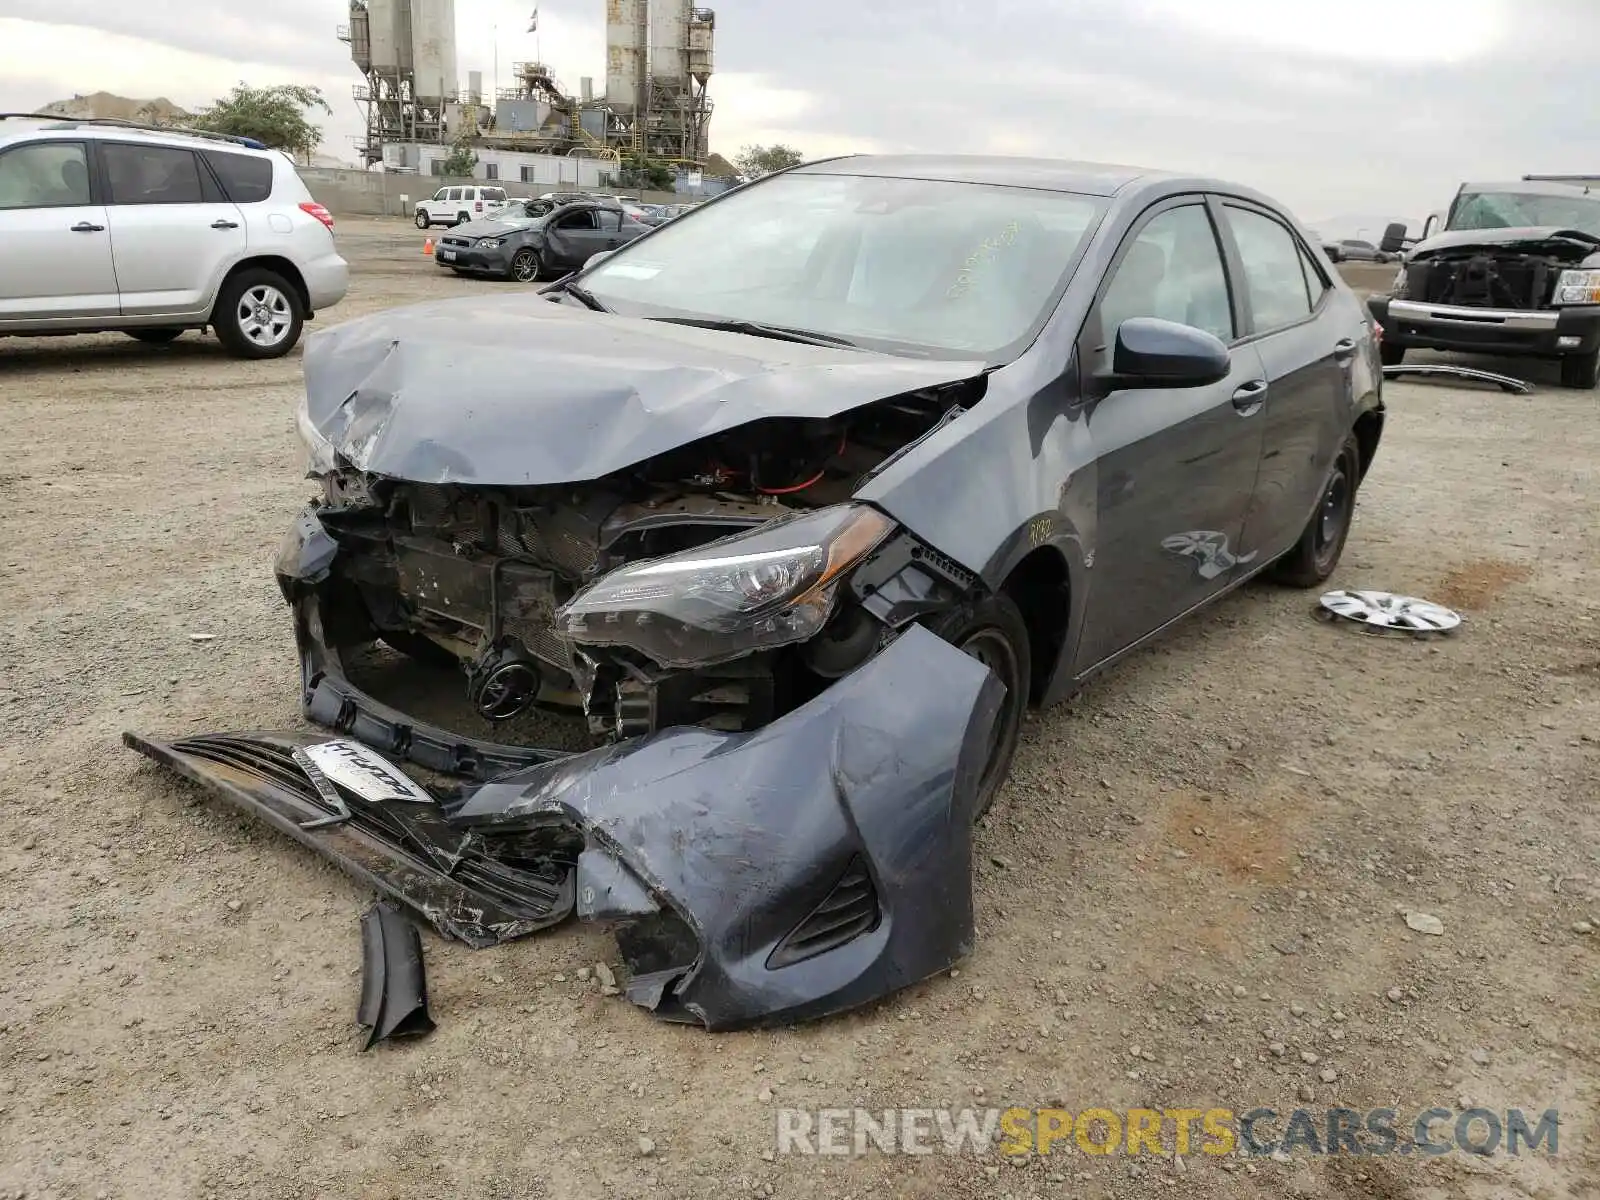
pixel 394 988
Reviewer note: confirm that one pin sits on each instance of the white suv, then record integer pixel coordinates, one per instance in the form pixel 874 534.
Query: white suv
pixel 106 225
pixel 458 205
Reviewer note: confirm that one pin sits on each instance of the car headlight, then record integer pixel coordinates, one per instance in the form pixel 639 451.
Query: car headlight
pixel 488 243
pixel 752 591
pixel 1578 287
pixel 319 450
pixel 1397 289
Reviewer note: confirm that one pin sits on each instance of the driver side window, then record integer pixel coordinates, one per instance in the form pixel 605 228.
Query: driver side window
pixel 1172 269
pixel 583 219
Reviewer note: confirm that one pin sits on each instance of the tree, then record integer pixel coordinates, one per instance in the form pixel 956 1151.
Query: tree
pixel 639 171
pixel 458 164
pixel 275 116
pixel 755 161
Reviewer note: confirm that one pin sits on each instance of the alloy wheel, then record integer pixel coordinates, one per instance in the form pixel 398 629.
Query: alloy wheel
pixel 265 316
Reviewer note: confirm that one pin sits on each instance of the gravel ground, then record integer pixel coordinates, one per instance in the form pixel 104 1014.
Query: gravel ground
pixel 1190 895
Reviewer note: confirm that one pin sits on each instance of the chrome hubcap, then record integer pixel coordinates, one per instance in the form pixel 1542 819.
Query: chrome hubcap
pixel 265 315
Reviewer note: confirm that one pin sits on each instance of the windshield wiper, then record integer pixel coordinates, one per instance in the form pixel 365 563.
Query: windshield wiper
pixel 756 329
pixel 577 291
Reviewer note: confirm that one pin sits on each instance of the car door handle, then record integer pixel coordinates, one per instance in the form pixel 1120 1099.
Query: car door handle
pixel 224 224
pixel 85 227
pixel 1250 397
pixel 1344 348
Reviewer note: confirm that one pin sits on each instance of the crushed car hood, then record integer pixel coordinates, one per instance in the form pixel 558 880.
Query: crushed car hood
pixel 520 392
pixel 1566 244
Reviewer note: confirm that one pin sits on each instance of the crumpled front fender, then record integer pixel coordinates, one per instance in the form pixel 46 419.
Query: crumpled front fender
pixel 804 868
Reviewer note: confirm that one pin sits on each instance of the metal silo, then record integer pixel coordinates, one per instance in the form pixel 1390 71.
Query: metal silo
pixel 669 40
pixel 388 39
pixel 625 54
pixel 702 38
pixel 433 50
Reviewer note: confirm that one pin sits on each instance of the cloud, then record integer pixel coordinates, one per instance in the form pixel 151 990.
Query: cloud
pixel 1331 105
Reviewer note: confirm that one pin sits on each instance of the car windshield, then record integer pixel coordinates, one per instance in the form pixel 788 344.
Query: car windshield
pixel 1514 210
pixel 910 266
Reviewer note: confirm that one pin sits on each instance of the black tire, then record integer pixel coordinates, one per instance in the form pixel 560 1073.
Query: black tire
pixel 462 218
pixel 992 631
pixel 525 266
pixel 1317 553
pixel 1391 354
pixel 258 314
pixel 154 337
pixel 422 220
pixel 1581 370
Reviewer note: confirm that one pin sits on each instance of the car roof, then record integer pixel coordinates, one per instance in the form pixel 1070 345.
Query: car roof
pixel 16 126
pixel 1049 174
pixel 1534 187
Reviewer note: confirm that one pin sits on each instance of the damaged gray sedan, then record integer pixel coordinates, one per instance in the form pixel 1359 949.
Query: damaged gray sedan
pixel 793 506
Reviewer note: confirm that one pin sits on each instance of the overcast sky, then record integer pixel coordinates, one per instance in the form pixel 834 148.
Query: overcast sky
pixel 1335 106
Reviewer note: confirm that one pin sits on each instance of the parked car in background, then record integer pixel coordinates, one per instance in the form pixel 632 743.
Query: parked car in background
pixel 1356 250
pixel 1514 270
pixel 458 205
pixel 149 231
pixel 541 238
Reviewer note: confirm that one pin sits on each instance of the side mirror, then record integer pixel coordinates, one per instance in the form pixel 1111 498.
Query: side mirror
pixel 1431 224
pixel 1152 353
pixel 596 257
pixel 1394 238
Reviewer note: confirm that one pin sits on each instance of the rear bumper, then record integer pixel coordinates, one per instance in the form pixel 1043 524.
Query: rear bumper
pixel 327 281
pixel 1545 333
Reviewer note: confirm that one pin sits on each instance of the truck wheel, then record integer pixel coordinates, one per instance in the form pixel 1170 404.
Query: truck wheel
pixel 258 314
pixel 993 632
pixel 1581 370
pixel 1391 354
pixel 422 219
pixel 1317 553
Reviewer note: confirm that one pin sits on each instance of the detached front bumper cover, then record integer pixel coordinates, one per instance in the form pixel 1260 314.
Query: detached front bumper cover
pixel 816 864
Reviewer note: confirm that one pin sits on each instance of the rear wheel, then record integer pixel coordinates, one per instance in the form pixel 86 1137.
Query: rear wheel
pixel 993 632
pixel 462 218
pixel 422 219
pixel 154 337
pixel 525 266
pixel 1317 553
pixel 258 315
pixel 1581 370
pixel 1391 354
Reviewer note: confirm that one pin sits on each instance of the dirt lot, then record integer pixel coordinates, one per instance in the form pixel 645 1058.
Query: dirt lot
pixel 1189 895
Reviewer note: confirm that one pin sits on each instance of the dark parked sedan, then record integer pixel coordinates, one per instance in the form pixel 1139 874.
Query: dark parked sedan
pixel 541 238
pixel 796 505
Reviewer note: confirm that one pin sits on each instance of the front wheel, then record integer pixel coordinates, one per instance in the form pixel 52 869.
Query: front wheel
pixel 1317 553
pixel 258 315
pixel 1391 354
pixel 993 632
pixel 525 266
pixel 1581 370
pixel 422 220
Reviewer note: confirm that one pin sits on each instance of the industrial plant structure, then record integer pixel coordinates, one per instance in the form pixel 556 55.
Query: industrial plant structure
pixel 658 63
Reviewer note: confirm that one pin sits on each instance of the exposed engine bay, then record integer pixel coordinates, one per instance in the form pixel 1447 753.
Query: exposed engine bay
pixel 477 576
pixel 1487 273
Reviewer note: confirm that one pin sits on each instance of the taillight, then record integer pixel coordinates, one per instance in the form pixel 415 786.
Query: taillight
pixel 312 209
pixel 1377 333
pixel 478 207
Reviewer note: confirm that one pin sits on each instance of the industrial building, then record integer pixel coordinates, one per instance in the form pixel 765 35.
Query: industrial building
pixel 658 64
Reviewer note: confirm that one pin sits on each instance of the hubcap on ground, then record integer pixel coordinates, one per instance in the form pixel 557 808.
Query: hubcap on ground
pixel 265 315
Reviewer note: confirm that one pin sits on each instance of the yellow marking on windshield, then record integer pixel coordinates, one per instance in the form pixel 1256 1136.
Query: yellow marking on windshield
pixel 984 254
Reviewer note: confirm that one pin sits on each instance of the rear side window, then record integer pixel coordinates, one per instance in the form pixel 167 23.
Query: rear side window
pixel 245 179
pixel 1273 269
pixel 609 220
pixel 494 193
pixel 453 194
pixel 44 175
pixel 151 175
pixel 1316 285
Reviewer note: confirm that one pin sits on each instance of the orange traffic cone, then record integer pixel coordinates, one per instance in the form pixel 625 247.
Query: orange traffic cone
pixel 427 245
